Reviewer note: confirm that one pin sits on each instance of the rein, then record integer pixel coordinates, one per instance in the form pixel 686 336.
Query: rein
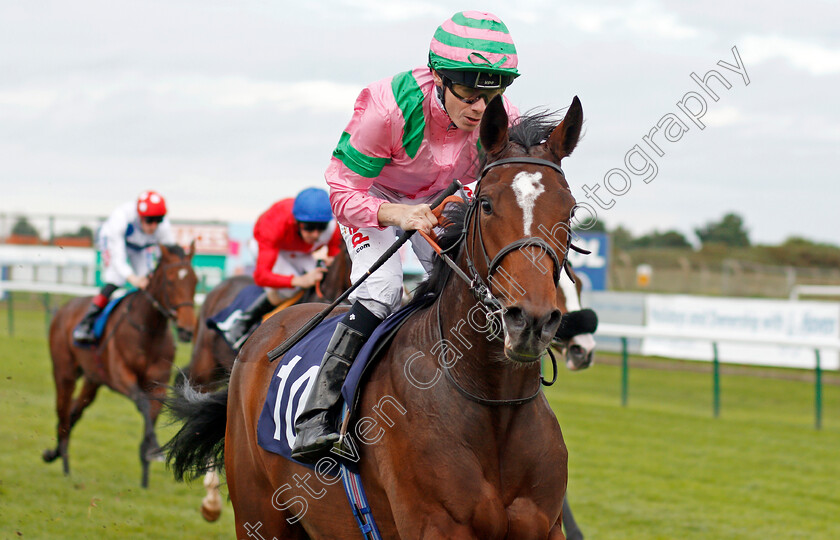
pixel 168 311
pixel 493 402
pixel 165 308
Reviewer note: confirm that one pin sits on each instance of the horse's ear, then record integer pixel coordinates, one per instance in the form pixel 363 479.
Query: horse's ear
pixel 164 251
pixel 192 249
pixel 493 132
pixel 565 137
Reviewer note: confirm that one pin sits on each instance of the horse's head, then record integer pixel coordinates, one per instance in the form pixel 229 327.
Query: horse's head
pixel 520 222
pixel 172 286
pixel 574 337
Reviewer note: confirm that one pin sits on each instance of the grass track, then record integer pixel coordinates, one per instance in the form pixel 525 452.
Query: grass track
pixel 661 468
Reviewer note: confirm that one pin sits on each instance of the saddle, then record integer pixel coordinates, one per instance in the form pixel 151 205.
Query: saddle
pixel 295 374
pixel 102 319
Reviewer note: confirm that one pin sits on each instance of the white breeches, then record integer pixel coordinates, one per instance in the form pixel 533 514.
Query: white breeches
pixel 291 263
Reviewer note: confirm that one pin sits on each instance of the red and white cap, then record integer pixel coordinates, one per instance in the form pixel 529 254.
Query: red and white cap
pixel 151 204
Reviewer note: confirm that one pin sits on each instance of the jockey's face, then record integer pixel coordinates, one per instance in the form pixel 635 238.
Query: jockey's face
pixel 309 236
pixel 466 116
pixel 149 225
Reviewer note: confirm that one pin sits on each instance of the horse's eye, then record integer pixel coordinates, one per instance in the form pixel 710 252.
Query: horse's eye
pixel 486 206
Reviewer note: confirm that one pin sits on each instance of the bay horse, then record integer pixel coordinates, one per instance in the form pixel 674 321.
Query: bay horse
pixel 212 358
pixel 468 446
pixel 134 356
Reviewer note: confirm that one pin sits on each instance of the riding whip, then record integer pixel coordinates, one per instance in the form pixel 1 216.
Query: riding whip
pixel 284 347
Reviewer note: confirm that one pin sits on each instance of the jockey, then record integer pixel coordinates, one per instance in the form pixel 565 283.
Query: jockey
pixel 128 242
pixel 409 137
pixel 286 235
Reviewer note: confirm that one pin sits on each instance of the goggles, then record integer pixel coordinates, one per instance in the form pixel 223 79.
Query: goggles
pixel 474 94
pixel 310 226
pixel 152 219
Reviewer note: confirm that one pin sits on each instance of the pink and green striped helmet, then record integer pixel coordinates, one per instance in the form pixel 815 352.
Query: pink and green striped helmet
pixel 474 49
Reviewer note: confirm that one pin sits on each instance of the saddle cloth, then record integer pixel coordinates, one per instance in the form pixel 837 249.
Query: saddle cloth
pixel 102 319
pixel 224 319
pixel 295 374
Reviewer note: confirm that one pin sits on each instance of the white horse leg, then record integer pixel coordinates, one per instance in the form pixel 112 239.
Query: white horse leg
pixel 211 505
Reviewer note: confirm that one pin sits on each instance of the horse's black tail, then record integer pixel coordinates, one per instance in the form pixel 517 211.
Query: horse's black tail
pixel 200 443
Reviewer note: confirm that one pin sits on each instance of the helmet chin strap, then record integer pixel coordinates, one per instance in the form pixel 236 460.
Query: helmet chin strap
pixel 442 99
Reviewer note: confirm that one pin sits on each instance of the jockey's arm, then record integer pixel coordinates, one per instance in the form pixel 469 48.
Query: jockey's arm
pixel 139 282
pixel 263 274
pixel 113 244
pixel 264 277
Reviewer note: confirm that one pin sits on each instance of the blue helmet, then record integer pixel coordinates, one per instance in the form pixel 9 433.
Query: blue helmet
pixel 312 204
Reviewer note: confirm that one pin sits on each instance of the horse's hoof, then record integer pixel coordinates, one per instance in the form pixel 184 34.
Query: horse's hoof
pixel 155 454
pixel 211 513
pixel 50 455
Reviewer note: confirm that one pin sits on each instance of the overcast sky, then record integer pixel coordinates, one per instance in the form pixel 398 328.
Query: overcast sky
pixel 227 106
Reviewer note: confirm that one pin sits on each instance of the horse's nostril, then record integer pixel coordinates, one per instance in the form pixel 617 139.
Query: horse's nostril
pixel 515 318
pixel 553 322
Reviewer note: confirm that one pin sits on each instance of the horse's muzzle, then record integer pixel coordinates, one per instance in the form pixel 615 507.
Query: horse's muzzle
pixel 527 336
pixel 185 335
pixel 580 352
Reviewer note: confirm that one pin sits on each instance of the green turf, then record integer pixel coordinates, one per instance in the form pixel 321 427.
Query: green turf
pixel 102 497
pixel 661 468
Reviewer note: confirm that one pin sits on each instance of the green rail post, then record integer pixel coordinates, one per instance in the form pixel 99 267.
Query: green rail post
pixel 715 380
pixel 11 316
pixel 817 392
pixel 47 310
pixel 624 372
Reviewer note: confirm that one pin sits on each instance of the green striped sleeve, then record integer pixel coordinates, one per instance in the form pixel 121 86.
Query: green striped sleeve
pixel 363 165
pixel 409 98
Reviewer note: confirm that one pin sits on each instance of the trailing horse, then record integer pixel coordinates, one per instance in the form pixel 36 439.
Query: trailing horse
pixel 466 443
pixel 134 356
pixel 212 358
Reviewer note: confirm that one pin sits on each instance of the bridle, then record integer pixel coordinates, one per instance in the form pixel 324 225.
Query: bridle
pixel 169 311
pixel 480 288
pixel 477 285
pixel 167 308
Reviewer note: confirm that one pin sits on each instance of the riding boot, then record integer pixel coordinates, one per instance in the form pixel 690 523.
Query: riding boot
pixel 248 321
pixel 317 425
pixel 83 333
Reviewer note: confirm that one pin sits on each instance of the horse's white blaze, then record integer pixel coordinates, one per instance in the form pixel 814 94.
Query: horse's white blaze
pixel 527 187
pixel 182 273
pixel 570 292
pixel 585 342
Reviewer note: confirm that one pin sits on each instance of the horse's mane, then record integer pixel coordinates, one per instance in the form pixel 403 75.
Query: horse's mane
pixel 176 250
pixel 529 130
pixel 455 214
